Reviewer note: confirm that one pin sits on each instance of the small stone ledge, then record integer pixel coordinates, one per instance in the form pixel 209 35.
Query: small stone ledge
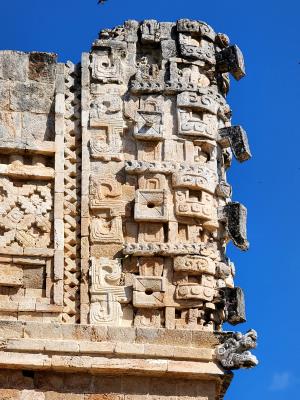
pixel 94 333
pixel 111 349
pixel 110 365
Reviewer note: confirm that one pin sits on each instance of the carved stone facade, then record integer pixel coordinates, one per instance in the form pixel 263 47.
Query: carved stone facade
pixel 115 211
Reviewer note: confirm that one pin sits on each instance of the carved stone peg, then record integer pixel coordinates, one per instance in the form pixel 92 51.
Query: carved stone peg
pixel 236 138
pixel 231 60
pixel 234 305
pixel 234 352
pixel 235 216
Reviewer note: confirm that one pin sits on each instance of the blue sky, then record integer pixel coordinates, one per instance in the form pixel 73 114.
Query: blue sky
pixel 266 103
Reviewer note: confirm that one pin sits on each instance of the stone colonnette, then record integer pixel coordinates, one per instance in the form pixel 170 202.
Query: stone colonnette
pixel 115 213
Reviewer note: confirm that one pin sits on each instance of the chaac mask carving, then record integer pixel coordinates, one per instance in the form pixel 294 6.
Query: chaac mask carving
pixel 114 203
pixel 160 140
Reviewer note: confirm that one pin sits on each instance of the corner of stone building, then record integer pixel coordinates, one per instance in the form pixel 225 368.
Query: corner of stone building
pixel 115 214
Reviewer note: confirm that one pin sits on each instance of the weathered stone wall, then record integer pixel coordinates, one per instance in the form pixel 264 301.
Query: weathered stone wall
pixel 29 187
pixel 28 385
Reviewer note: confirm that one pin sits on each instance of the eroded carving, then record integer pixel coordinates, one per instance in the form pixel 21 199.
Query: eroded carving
pixel 106 292
pixel 106 143
pixel 234 352
pixel 106 67
pixel 151 205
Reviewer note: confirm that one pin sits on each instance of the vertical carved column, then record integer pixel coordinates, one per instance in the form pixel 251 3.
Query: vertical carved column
pixel 157 126
pixel 59 186
pixel 72 193
pixel 85 215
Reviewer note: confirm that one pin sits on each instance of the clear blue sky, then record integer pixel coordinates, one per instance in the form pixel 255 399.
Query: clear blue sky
pixel 266 103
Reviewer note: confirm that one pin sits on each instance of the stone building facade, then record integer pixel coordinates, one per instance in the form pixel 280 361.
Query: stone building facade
pixel 115 213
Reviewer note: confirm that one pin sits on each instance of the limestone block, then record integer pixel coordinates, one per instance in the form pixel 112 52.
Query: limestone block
pixel 194 265
pixel 236 216
pixel 231 60
pixel 197 204
pixel 33 97
pixel 205 101
pixel 224 190
pixel 203 179
pixel 105 194
pixel 151 233
pixel 149 121
pixel 4 95
pixel 121 334
pixel 187 25
pixel 148 318
pixel 106 230
pixel 131 29
pixel 185 76
pixel 37 127
pixel 194 291
pixel 151 266
pixel 10 275
pixel 168 49
pixel 42 67
pixel 106 144
pixel 10 329
pixel 150 30
pixel 14 66
pixel 149 77
pixel 34 278
pixel 151 205
pixel 148 292
pixel 238 141
pixel 106 107
pixel 234 305
pixel 194 47
pixel 149 284
pixel 106 67
pixel 10 125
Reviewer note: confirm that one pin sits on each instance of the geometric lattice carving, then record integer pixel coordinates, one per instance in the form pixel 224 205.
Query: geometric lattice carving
pixel 25 214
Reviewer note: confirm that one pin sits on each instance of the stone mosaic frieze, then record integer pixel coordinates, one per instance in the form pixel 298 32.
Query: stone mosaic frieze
pixel 115 209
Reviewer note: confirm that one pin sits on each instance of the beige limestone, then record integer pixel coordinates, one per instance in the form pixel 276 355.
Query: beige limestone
pixel 115 214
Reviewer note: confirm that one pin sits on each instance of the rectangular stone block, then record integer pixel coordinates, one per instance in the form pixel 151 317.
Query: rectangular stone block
pixel 4 95
pixel 13 65
pixel 11 275
pixel 37 127
pixel 33 97
pixel 42 67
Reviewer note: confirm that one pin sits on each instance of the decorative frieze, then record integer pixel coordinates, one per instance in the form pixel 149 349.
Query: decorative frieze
pixel 115 208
